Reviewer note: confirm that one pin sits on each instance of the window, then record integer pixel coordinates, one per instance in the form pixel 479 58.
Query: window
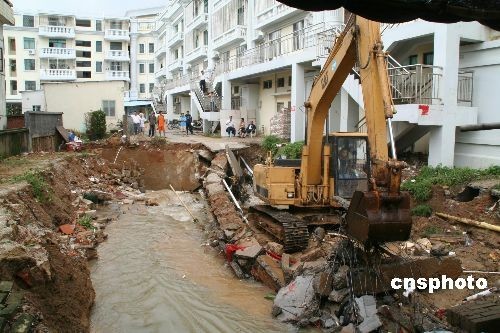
pixel 83 64
pixel 83 23
pixel 268 84
pixel 98 25
pixel 29 85
pixel 28 21
pixel 141 68
pixel 151 87
pixel 98 66
pixel 13 87
pixel 109 108
pixel 29 64
pixel 1 60
pixel 205 37
pixel 280 82
pixel 413 59
pixel 98 46
pixel 141 48
pixel 116 25
pixel 13 65
pixel 53 42
pixel 241 14
pixel 151 48
pixel 116 66
pixel 115 46
pixel 429 58
pixel 84 75
pixel 84 43
pixel 289 81
pixel 142 88
pixel 298 35
pixel 29 43
pixel 151 68
pixel 83 54
pixel 57 21
pixel 36 108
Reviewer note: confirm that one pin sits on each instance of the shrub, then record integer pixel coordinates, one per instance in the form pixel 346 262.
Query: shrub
pixel 86 222
pixel 270 144
pixel 422 210
pixel 96 125
pixel 41 189
pixel 158 141
pixel 292 150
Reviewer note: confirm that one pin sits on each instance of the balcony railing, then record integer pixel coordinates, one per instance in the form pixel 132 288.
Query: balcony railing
pixel 57 74
pixel 199 52
pixel 175 38
pixel 273 12
pixel 117 55
pixel 117 34
pixel 57 52
pixel 175 65
pixel 465 86
pixel 179 82
pixel 415 84
pixel 297 41
pixel 56 31
pixel 198 21
pixel 117 75
pixel 160 50
pixel 234 35
pixel 161 72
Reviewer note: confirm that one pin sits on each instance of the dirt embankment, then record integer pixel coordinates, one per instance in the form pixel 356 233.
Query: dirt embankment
pixel 49 267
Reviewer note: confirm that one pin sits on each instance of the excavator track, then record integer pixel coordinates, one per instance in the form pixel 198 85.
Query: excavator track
pixel 289 229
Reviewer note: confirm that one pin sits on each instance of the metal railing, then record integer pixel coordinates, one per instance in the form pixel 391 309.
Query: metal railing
pixel 465 86
pixel 415 84
pixel 235 102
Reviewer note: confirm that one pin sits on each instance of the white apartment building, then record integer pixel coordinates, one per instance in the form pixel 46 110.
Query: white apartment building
pixel 262 57
pixel 46 47
pixel 6 17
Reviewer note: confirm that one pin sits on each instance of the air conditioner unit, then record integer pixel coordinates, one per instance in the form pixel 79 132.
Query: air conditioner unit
pixel 31 52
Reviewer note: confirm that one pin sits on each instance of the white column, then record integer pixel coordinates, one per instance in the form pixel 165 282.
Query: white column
pixel 446 55
pixel 298 99
pixel 133 65
pixel 170 106
pixel 344 109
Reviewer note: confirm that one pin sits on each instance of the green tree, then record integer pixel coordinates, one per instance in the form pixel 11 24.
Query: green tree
pixel 96 125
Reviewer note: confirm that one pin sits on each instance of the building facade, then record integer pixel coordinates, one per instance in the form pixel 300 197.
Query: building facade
pixel 6 17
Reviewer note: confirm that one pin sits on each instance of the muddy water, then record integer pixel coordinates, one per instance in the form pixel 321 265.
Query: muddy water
pixel 154 275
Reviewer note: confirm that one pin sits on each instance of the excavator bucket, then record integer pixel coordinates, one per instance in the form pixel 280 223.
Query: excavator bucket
pixel 377 217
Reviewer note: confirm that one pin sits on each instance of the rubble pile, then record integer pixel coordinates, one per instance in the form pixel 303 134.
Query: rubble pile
pixel 45 244
pixel 280 124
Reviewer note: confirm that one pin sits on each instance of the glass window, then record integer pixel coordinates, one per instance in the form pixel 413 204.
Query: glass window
pixel 115 46
pixel 83 74
pixel 205 37
pixel 280 82
pixel 98 46
pixel 268 84
pixel 142 88
pixel 29 64
pixel 29 43
pixel 141 48
pixel 151 68
pixel 351 170
pixel 151 87
pixel 84 43
pixel 151 47
pixel 116 66
pixel 29 85
pixel 413 59
pixel 98 25
pixel 109 108
pixel 36 108
pixel 429 58
pixel 28 21
pixel 98 66
pixel 53 42
pixel 83 64
pixel 141 68
pixel 116 25
pixel 83 23
pixel 1 60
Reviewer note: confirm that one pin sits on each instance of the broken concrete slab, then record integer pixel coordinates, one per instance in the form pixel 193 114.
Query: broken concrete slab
pixel 297 300
pixel 214 188
pixel 323 283
pixel 274 248
pixel 367 305
pixel 348 329
pixel 370 324
pixel 250 252
pixel 237 269
pixel 312 254
pixel 213 178
pixel 340 278
pixel 338 296
pixel 268 271
pixel 205 154
pixel 220 162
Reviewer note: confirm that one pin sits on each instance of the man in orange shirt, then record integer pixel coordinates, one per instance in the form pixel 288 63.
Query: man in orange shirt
pixel 161 123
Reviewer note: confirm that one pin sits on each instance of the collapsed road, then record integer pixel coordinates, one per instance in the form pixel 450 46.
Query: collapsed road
pixel 157 270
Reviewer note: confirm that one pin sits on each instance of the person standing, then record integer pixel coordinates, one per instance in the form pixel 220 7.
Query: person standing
pixel 182 121
pixel 137 121
pixel 161 124
pixel 142 121
pixel 203 83
pixel 152 124
pixel 230 127
pixel 189 125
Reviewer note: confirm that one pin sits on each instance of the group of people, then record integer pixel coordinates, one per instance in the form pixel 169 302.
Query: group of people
pixel 155 122
pixel 186 123
pixel 243 130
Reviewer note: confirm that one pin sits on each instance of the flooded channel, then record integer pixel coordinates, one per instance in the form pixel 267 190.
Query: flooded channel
pixel 155 274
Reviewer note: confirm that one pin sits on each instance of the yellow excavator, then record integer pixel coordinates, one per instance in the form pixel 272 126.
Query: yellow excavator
pixel 342 166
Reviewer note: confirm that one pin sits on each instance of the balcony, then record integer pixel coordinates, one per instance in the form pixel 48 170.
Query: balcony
pixel 173 9
pixel 274 14
pixel 57 53
pixel 161 72
pixel 160 51
pixel 116 55
pixel 175 39
pixel 198 21
pixel 235 35
pixel 57 74
pixel 56 31
pixel 117 35
pixel 196 54
pixel 117 75
pixel 175 65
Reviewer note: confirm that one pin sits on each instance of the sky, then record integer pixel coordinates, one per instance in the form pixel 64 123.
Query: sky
pixel 102 8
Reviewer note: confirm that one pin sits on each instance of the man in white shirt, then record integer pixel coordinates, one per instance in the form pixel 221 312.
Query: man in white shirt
pixel 203 83
pixel 136 119
pixel 230 127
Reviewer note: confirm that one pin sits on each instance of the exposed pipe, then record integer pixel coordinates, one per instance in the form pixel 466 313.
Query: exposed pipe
pixel 247 166
pixel 235 201
pixel 479 127
pixel 391 137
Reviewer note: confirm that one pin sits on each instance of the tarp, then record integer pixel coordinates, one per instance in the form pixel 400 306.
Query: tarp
pixel 486 12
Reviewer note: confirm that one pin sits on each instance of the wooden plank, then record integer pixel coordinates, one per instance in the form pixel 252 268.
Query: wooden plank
pixel 64 133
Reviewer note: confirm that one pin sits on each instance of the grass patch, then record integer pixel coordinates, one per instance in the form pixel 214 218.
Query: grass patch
pixel 292 150
pixel 158 141
pixel 41 189
pixel 432 230
pixel 421 186
pixel 86 222
pixel 422 210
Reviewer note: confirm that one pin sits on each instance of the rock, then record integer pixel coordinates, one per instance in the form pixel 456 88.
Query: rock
pixel 289 270
pixel 214 243
pixel 212 178
pixel 92 213
pixel 348 329
pixel 274 248
pixel 205 154
pixel 319 233
pixel 329 321
pixel 127 201
pixel 367 306
pixel 297 300
pixel 275 311
pixel 250 252
pixel 313 267
pixel 439 250
pixel 237 270
pixel 312 254
pixel 214 189
pixel 370 324
pixel 340 278
pixel 338 296
pixel 424 243
pixel 228 234
pixel 220 162
pixel 268 271
pixel 151 202
pixel 323 283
